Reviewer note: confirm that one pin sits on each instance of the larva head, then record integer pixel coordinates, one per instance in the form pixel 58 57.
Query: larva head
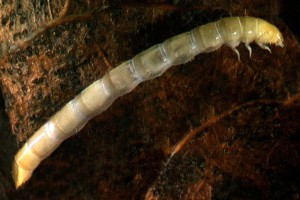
pixel 268 34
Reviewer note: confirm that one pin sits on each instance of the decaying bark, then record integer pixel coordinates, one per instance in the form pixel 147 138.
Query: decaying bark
pixel 237 122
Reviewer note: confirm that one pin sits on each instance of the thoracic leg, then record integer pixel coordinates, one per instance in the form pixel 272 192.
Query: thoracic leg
pixel 249 49
pixel 263 46
pixel 237 52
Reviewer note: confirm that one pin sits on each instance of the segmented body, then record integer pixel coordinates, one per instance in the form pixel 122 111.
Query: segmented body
pixel 147 65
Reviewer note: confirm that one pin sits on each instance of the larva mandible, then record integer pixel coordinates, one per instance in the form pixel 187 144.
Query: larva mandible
pixel 147 65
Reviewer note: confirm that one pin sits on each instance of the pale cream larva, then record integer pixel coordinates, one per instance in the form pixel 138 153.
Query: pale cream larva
pixel 122 79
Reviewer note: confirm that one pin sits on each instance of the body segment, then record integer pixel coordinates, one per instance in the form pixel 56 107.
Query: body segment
pixel 121 80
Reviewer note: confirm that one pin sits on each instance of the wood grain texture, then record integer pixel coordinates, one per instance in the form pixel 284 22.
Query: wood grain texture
pixel 127 154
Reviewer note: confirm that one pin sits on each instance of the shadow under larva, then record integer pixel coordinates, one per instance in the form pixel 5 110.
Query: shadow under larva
pixel 147 65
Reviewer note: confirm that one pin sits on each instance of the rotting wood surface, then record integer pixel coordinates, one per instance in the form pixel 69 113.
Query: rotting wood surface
pixel 250 153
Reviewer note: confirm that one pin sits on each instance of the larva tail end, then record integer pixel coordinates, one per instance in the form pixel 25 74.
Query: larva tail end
pixel 20 175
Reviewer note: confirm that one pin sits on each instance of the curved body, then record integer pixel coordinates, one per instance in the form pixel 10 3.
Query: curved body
pixel 124 78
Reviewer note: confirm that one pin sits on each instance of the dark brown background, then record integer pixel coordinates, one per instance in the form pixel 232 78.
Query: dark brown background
pixel 241 118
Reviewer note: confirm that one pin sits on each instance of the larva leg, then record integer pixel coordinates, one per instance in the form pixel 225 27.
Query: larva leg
pixel 249 49
pixel 147 65
pixel 263 46
pixel 237 53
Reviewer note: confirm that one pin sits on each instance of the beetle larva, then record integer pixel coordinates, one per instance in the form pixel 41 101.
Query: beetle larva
pixel 124 78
